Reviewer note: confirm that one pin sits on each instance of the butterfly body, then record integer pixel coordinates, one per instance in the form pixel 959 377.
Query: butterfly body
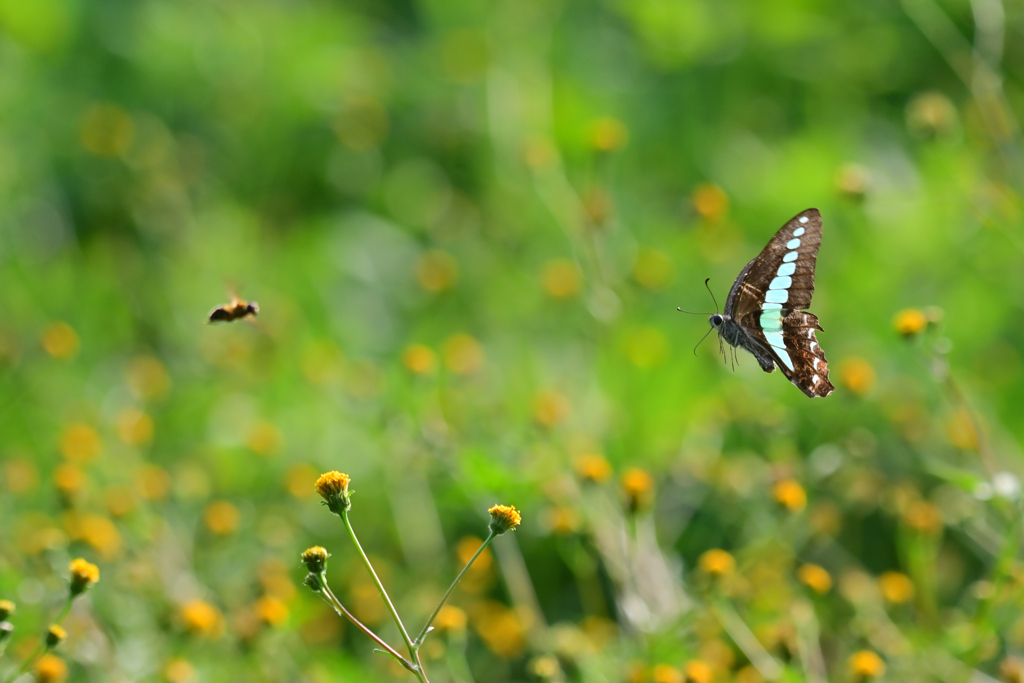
pixel 235 310
pixel 765 312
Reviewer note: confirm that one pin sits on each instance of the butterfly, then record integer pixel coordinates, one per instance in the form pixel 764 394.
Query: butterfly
pixel 766 314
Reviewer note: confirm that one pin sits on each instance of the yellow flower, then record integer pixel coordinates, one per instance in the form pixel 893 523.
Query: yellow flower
pixel 857 375
pixel 221 517
pixel 790 495
pixel 710 201
pixel 663 673
pixel 923 517
pixel 179 670
pixel 748 674
pixel 716 562
pixel 503 518
pixel 562 519
pixel 853 180
pixel 550 408
pixel 148 378
pixel 331 484
pixel 419 359
pixel 101 534
pixel 6 609
pixel 55 635
pixel 83 575
pixel 638 486
pixel 50 669
pixel 134 427
pixel 80 443
pixel 60 341
pixel 1011 669
pixel 561 278
pixel 450 618
pixel 697 672
pixel 68 478
pixel 910 322
pixel 153 482
pixel 896 588
pixel 545 667
pixel 315 559
pixel 264 438
pixel 296 480
pixel 608 134
pixel 815 578
pixel 539 153
pixel 500 628
pixel 436 271
pixel 592 467
pixel 201 618
pixel 272 611
pixel 931 113
pixel 866 664
pixel 462 354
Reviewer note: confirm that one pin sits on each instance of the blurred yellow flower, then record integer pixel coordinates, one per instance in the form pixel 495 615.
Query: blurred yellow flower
pixel 597 205
pixel 419 359
pixel 20 476
pixel 201 618
pixel 50 669
pixel 101 533
pixel 697 672
pixel 153 482
pixel 593 467
pixel 118 500
pixel 179 670
pixel 550 408
pixel 545 667
pixel 271 610
pixel 80 443
pixel 147 378
pixel 716 562
pixel 503 518
pixel 826 518
pixel 857 375
pixel 436 270
pixel 815 578
pixel 790 495
pixel 910 322
pixel 923 517
pixel 221 517
pixel 638 485
pixel 748 674
pixel 6 609
pixel 931 114
pixel 853 180
pixel 134 427
pixel 562 520
pixel 1011 669
pixel 107 130
pixel 663 673
pixel 539 153
pixel 608 134
pixel 264 438
pixel 297 480
pixel 961 430
pixel 710 201
pixel 451 619
pixel 561 278
pixel 653 269
pixel 466 548
pixel 60 340
pixel 896 587
pixel 866 664
pixel 637 673
pixel 499 627
pixel 55 635
pixel 83 574
pixel 69 479
pixel 462 354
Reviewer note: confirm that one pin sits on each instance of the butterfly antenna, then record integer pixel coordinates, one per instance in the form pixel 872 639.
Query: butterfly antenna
pixel 711 293
pixel 702 340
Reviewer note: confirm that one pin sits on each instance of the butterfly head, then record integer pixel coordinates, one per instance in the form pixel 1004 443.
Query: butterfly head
pixel 717 320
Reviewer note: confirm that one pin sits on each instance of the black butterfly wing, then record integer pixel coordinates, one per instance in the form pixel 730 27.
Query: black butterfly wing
pixel 768 299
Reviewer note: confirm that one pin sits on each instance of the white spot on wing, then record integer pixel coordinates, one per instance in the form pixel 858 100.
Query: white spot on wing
pixel 782 282
pixel 815 363
pixel 791 256
pixel 777 296
pixel 798 232
pixel 774 338
pixel 810 333
pixel 813 345
pixel 793 243
pixel 816 378
pixel 786 269
pixel 803 219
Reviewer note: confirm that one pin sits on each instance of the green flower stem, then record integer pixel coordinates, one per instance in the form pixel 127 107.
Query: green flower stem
pixel 42 647
pixel 426 627
pixel 418 666
pixel 333 601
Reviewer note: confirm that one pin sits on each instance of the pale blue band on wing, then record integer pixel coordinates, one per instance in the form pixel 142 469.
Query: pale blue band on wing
pixel 798 232
pixel 793 244
pixel 791 256
pixel 787 269
pixel 781 282
pixel 774 338
pixel 777 296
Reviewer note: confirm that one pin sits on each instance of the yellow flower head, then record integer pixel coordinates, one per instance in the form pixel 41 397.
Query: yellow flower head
pixel 201 618
pixel 503 518
pixel 815 578
pixel 866 664
pixel 83 575
pixel 638 486
pixel 419 359
pixel 550 408
pixel 666 673
pixel 790 495
pixel 910 322
pixel 315 559
pixel 561 278
pixel 697 672
pixel 716 562
pixel 436 271
pixel 6 609
pixel 710 201
pixel 450 618
pixel 857 375
pixel 333 487
pixel 221 517
pixel 60 340
pixel 55 635
pixel 923 517
pixel 179 670
pixel 608 134
pixel 271 610
pixel 592 467
pixel 50 669
pixel 896 588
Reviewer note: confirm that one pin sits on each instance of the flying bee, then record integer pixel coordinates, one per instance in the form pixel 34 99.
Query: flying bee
pixel 236 310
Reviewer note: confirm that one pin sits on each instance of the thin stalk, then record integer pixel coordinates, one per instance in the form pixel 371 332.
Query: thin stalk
pixel 41 648
pixel 418 666
pixel 426 627
pixel 333 601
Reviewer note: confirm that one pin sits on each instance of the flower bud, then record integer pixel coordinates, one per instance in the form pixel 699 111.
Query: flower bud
pixel 315 559
pixel 333 487
pixel 503 518
pixel 55 635
pixel 83 575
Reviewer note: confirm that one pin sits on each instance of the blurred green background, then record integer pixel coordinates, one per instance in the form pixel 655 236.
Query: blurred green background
pixel 468 225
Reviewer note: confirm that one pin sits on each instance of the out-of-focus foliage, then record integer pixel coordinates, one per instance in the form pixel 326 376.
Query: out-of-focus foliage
pixel 468 225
